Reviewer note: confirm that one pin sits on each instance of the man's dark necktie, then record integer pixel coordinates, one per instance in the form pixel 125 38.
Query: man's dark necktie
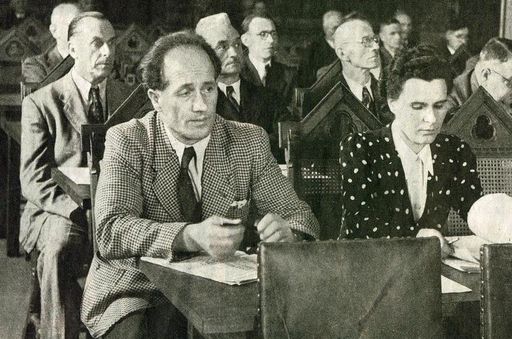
pixel 267 72
pixel 190 208
pixel 95 107
pixel 368 100
pixel 230 92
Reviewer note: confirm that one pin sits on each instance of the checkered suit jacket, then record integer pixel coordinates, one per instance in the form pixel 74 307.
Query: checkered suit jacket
pixel 137 209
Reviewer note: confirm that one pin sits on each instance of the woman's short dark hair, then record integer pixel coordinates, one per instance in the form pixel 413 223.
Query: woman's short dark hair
pixel 152 65
pixel 420 62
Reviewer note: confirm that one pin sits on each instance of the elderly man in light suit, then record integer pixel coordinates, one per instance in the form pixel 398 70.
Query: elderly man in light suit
pixel 181 179
pixel 51 121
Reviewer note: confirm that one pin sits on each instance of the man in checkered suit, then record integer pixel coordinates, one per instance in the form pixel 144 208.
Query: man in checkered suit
pixel 140 204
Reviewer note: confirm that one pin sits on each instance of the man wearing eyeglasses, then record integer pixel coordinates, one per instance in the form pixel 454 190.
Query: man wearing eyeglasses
pixel 493 72
pixel 357 47
pixel 239 99
pixel 260 67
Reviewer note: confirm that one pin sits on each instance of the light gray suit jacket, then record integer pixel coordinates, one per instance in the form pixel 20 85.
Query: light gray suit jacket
pixel 50 137
pixel 138 214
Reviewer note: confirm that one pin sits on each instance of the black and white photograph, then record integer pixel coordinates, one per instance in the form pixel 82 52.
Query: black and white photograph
pixel 277 169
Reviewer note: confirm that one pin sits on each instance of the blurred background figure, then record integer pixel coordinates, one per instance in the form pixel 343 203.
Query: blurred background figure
pixel 321 52
pixel 390 34
pixel 408 36
pixel 455 49
pixel 34 69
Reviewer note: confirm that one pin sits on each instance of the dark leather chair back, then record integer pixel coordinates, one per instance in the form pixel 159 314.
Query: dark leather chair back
pixel 378 288
pixel 496 302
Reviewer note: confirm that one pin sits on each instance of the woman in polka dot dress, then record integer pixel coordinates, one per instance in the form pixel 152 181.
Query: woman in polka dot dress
pixel 403 179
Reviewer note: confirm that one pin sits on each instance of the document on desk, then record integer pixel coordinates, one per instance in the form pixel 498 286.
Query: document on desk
pixel 450 286
pixel 240 269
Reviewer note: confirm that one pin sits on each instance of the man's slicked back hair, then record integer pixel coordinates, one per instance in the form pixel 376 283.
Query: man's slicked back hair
pixel 75 23
pixel 152 64
pixel 248 19
pixel 497 49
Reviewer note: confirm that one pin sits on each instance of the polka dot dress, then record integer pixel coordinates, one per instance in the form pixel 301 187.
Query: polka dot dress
pixel 375 199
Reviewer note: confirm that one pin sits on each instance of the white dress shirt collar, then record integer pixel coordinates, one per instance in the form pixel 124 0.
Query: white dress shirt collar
pixel 236 88
pixel 260 67
pixel 357 89
pixel 84 88
pixel 416 167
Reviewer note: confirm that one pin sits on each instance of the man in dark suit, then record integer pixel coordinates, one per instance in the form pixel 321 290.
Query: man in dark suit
pixel 321 52
pixel 357 47
pixel 455 47
pixel 259 66
pixel 239 99
pixel 403 179
pixel 181 179
pixel 35 68
pixel 493 72
pixel 51 122
pixel 390 35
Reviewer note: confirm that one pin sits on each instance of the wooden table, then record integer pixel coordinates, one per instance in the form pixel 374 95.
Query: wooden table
pixel 10 116
pixel 222 311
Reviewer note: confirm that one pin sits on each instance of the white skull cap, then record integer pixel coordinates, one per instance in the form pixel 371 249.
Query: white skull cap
pixel 217 21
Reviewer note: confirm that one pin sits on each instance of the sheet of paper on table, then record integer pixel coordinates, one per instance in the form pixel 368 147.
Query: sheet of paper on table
pixel 79 175
pixel 462 265
pixel 240 269
pixel 450 286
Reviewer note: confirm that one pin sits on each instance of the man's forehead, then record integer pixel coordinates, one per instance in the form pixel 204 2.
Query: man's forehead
pixel 214 36
pixel 353 30
pixel 391 27
pixel 184 62
pixel 261 24
pixel 95 27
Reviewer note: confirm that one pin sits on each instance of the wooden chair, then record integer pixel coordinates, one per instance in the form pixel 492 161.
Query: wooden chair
pixel 378 288
pixel 487 127
pixel 93 142
pixel 496 291
pixel 312 146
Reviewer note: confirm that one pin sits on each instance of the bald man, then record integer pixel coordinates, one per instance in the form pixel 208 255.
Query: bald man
pixel 34 69
pixel 357 47
pixel 321 52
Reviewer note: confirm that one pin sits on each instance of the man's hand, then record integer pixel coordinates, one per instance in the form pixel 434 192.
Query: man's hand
pixel 273 228
pixel 219 237
pixel 446 249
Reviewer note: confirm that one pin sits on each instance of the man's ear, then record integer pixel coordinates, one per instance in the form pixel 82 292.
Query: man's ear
pixel 154 96
pixel 341 55
pixel 485 72
pixel 53 29
pixel 71 48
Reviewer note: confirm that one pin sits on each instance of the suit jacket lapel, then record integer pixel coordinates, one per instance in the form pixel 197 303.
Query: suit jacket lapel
pixel 74 107
pixel 166 169
pixel 218 181
pixel 251 73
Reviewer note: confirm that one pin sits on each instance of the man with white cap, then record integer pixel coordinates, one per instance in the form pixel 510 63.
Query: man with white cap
pixel 239 99
pixel 34 69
